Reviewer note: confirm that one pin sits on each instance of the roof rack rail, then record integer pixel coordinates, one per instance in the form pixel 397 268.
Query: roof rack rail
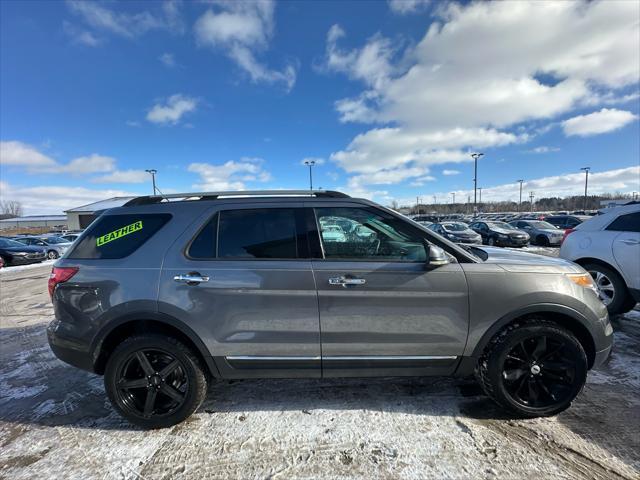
pixel 151 199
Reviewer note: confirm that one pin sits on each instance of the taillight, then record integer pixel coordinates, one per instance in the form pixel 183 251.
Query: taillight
pixel 60 275
pixel 566 234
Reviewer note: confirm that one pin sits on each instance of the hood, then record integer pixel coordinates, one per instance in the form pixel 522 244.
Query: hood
pixel 552 231
pixel 515 261
pixel 504 231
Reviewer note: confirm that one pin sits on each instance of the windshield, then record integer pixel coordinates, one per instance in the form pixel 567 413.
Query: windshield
pixel 454 227
pixel 5 242
pixel 504 225
pixel 542 225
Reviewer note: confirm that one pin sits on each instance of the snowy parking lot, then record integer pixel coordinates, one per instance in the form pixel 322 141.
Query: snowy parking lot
pixel 55 420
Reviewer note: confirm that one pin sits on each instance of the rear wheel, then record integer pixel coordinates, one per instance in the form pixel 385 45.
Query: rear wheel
pixel 613 291
pixel 542 240
pixel 535 368
pixel 154 381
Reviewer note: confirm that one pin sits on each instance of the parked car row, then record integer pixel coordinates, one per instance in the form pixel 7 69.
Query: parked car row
pixel 27 249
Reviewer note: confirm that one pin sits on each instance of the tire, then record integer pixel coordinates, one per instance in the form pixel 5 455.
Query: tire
pixel 613 290
pixel 491 242
pixel 629 304
pixel 175 395
pixel 542 240
pixel 559 378
pixel 52 255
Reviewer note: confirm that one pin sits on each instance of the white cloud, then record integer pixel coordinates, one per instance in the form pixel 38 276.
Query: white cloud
pixel 93 163
pixel 231 175
pixel 623 180
pixel 450 172
pixel 432 101
pixel 606 120
pixel 402 7
pixel 543 149
pixel 123 176
pixel 128 25
pixel 21 154
pixel 81 36
pixel 55 199
pixel 168 60
pixel 241 29
pixel 172 110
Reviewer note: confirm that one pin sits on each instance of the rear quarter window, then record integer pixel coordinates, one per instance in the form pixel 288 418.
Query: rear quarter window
pixel 117 236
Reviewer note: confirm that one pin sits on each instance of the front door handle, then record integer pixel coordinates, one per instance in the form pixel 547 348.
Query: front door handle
pixel 346 281
pixel 630 241
pixel 193 278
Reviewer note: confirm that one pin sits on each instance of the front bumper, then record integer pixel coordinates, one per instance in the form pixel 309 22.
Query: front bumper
pixel 27 260
pixel 512 242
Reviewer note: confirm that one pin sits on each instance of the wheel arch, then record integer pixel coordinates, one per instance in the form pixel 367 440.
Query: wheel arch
pixel 147 322
pixel 564 316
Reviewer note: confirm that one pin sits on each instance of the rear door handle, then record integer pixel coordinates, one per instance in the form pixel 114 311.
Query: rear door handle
pixel 630 241
pixel 345 281
pixel 191 278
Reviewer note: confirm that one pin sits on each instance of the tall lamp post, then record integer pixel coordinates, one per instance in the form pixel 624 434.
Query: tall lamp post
pixel 586 183
pixel 153 172
pixel 531 196
pixel 475 157
pixel 310 164
pixel 520 203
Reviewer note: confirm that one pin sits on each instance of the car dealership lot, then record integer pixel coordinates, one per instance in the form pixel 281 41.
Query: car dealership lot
pixel 56 422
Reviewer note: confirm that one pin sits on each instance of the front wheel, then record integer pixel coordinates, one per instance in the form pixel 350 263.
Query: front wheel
pixel 52 254
pixel 613 291
pixel 491 242
pixel 154 381
pixel 543 241
pixel 535 368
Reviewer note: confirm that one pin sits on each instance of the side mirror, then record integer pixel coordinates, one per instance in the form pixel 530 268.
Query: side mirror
pixel 437 257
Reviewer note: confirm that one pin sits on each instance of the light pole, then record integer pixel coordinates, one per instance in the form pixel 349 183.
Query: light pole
pixel 310 164
pixel 153 172
pixel 453 194
pixel 520 203
pixel 480 202
pixel 418 205
pixel 475 157
pixel 586 183
pixel 531 195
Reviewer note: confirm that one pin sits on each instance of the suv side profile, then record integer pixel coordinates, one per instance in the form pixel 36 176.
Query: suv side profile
pixel 166 294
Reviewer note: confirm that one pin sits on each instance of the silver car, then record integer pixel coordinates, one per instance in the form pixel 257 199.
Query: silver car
pixel 165 294
pixel 54 245
pixel 542 233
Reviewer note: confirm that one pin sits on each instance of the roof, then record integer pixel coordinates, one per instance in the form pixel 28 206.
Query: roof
pixel 101 205
pixel 36 218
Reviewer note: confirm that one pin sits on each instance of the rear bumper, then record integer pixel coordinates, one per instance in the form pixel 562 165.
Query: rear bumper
pixel 68 350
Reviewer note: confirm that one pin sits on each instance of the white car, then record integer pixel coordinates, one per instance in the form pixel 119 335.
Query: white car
pixel 608 247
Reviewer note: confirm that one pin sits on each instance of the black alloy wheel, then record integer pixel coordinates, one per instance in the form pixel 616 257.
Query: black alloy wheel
pixel 152 382
pixel 539 372
pixel 533 367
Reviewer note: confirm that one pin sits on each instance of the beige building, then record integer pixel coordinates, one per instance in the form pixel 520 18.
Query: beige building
pixel 80 217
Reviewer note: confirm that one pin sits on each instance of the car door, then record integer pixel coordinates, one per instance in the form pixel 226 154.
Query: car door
pixel 383 310
pixel 244 282
pixel 626 247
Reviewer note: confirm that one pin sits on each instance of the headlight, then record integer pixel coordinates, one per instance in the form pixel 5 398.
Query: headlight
pixel 20 254
pixel 584 280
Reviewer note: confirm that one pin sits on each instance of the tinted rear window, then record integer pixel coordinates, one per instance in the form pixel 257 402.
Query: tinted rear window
pixel 259 233
pixel 626 223
pixel 118 236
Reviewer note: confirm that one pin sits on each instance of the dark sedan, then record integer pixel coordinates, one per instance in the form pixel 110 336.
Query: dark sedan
pixel 16 253
pixel 457 232
pixel 500 233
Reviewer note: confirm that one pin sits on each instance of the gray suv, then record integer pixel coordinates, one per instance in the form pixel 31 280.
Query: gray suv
pixel 166 294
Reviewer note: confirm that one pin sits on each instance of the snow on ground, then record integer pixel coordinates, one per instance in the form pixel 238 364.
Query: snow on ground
pixel 55 421
pixel 20 268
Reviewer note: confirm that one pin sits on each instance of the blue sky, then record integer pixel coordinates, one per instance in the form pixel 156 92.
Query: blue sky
pixel 388 97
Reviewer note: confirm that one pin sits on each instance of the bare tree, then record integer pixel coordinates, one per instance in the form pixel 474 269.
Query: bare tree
pixel 11 208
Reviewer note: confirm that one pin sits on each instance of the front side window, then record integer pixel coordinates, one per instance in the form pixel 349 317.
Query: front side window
pixel 626 223
pixel 368 234
pixel 258 233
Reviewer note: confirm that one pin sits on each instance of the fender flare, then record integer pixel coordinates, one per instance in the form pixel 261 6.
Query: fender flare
pixel 156 317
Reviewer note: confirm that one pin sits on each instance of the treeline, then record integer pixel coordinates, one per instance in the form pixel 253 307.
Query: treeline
pixel 546 204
